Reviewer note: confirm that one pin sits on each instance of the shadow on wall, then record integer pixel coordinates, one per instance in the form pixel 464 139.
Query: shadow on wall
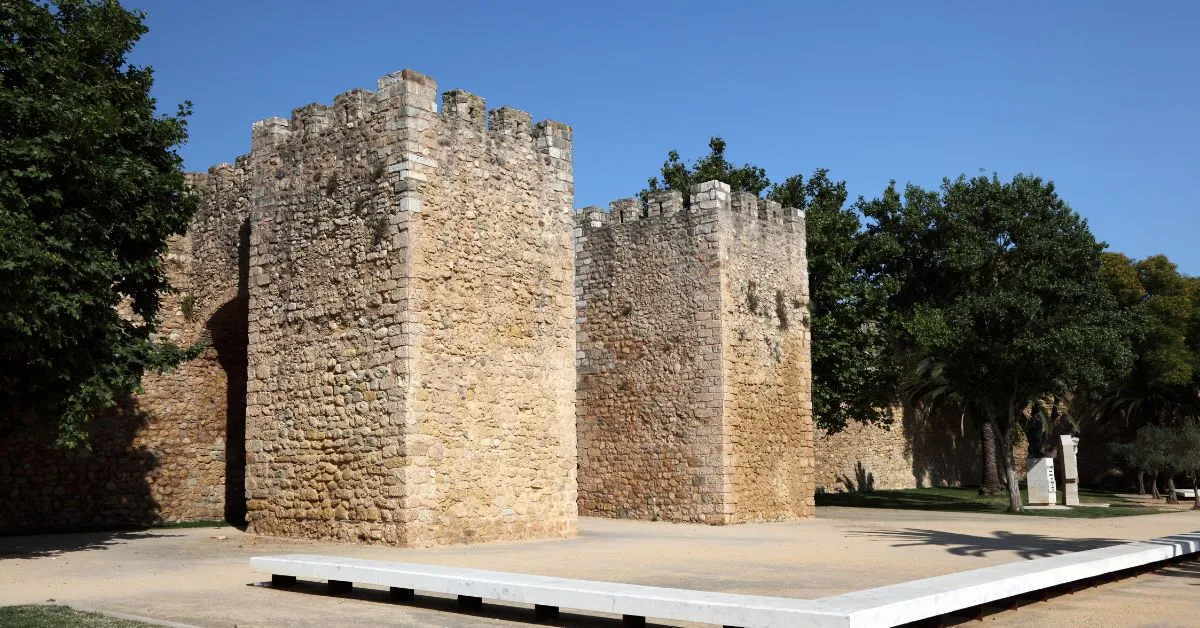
pixel 229 330
pixel 47 488
pixel 1025 545
pixel 945 447
pixel 151 458
pixel 1097 465
pixel 863 480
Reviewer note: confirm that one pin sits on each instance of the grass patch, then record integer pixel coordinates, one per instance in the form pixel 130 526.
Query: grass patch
pixel 45 616
pixel 969 500
pixel 175 525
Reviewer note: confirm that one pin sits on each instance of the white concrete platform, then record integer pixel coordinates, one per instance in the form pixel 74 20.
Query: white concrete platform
pixel 883 606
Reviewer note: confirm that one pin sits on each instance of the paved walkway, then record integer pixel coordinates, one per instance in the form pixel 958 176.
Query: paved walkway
pixel 200 576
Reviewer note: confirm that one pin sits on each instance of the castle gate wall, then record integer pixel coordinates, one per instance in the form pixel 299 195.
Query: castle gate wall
pixel 161 454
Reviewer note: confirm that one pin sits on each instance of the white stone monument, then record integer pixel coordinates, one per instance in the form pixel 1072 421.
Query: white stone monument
pixel 1040 482
pixel 1070 447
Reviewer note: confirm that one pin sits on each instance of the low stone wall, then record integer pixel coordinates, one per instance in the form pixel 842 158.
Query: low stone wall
pixel 910 452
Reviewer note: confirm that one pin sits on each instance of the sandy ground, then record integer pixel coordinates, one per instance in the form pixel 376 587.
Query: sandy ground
pixel 201 576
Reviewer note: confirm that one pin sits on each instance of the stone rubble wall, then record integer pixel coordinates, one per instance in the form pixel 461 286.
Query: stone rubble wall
pixel 768 378
pixel 913 451
pixel 649 413
pixel 678 418
pixel 491 436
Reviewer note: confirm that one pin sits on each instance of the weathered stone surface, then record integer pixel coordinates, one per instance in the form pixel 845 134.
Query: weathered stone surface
pixel 411 362
pixel 693 393
pixel 387 291
pixel 914 451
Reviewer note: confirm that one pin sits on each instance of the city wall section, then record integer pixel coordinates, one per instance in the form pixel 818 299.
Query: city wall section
pixel 916 450
pixel 410 318
pixel 693 394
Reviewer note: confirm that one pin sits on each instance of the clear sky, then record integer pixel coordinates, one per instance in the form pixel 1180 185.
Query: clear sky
pixel 1103 98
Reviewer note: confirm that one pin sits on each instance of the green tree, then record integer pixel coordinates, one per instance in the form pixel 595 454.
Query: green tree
pixel 677 175
pixel 90 189
pixel 1000 283
pixel 1151 452
pixel 851 380
pixel 1161 387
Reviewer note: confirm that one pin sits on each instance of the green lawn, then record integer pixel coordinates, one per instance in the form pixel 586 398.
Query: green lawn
pixel 969 500
pixel 203 523
pixel 44 616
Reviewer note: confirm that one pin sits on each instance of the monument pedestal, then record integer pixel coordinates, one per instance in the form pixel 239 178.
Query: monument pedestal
pixel 1069 446
pixel 1040 482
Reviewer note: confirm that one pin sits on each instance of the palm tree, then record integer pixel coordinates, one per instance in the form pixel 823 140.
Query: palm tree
pixel 928 389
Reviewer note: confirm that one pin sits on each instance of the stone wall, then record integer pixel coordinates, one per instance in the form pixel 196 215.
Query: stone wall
pixel 913 451
pixel 411 337
pixel 768 376
pixel 690 408
pixel 650 366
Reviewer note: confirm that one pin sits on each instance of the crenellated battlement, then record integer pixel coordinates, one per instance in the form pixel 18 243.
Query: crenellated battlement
pixel 706 199
pixel 400 101
pixel 396 136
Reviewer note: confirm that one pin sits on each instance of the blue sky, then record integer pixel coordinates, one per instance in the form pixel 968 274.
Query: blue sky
pixel 1101 97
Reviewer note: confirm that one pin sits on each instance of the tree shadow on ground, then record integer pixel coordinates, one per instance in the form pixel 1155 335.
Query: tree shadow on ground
pixel 1189 569
pixel 1026 546
pixel 51 545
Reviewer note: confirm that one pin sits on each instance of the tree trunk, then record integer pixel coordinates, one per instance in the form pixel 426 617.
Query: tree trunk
pixel 1195 493
pixel 990 483
pixel 1141 482
pixel 1154 486
pixel 1004 440
pixel 1172 498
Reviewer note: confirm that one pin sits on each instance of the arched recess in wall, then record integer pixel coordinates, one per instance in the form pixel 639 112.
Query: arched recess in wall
pixel 228 327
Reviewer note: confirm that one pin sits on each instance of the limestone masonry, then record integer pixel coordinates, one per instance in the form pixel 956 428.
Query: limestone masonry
pixel 411 320
pixel 694 400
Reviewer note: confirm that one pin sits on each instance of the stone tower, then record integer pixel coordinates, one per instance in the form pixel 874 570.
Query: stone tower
pixel 411 321
pixel 694 383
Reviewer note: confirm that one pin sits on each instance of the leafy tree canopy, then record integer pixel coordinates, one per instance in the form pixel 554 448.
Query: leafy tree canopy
pixel 90 189
pixel 851 380
pixel 676 175
pixel 999 283
pixel 1163 304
